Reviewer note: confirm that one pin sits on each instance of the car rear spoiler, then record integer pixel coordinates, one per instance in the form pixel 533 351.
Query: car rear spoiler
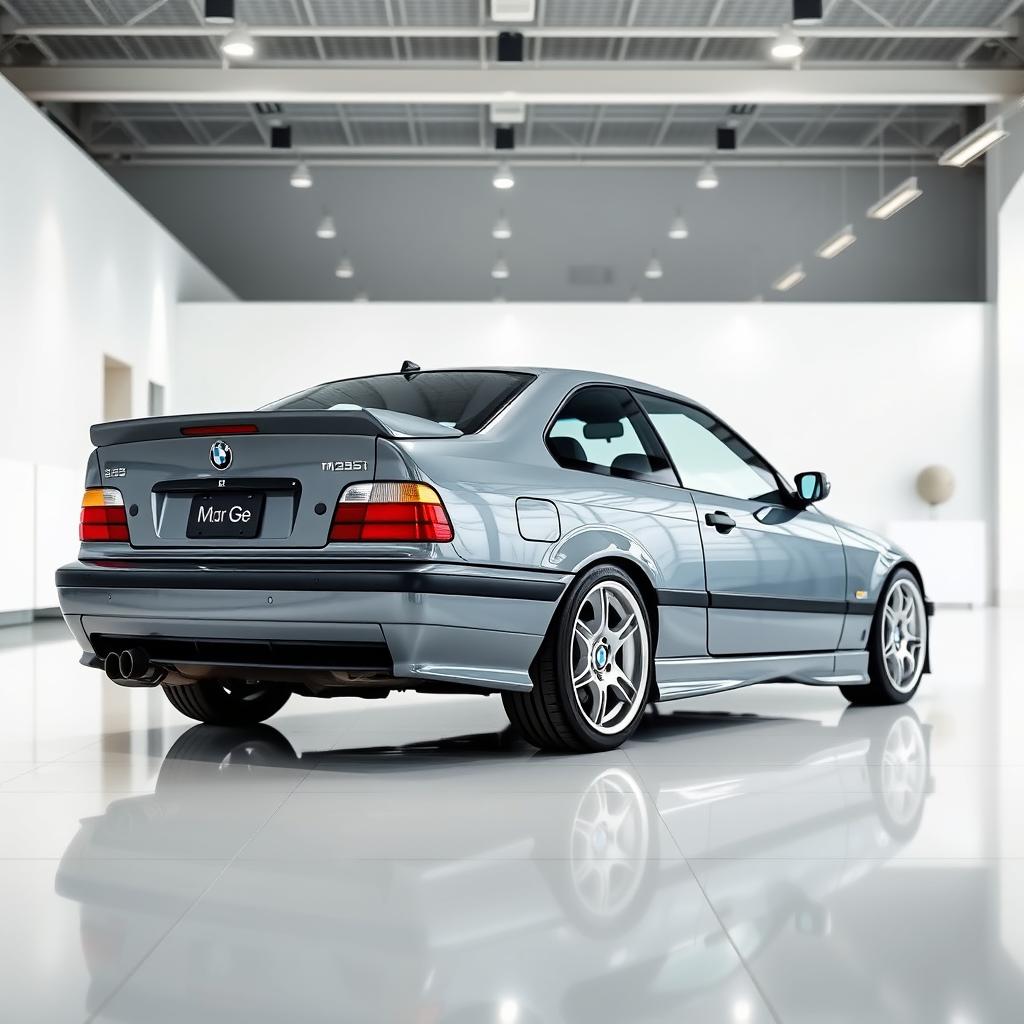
pixel 365 422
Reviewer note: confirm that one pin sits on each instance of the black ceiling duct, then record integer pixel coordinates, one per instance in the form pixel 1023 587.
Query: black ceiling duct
pixel 281 136
pixel 807 12
pixel 504 137
pixel 220 11
pixel 510 46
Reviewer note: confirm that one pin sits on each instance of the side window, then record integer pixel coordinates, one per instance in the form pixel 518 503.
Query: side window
pixel 708 455
pixel 602 430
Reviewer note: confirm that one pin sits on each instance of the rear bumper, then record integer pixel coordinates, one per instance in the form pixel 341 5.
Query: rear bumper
pixel 477 626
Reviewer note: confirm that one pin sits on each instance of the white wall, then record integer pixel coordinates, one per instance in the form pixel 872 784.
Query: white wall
pixel 84 272
pixel 869 393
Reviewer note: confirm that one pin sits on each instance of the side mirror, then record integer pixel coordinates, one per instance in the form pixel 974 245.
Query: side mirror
pixel 812 487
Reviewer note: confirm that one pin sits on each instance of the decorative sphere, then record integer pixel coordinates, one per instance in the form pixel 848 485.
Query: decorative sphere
pixel 935 484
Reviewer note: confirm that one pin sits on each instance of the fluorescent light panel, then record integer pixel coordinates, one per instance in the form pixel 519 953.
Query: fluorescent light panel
pixel 513 10
pixel 892 202
pixel 833 246
pixel 970 147
pixel 790 279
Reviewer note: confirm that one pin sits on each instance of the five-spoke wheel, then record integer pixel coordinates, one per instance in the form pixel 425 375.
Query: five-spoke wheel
pixel 897 646
pixel 593 672
pixel 608 657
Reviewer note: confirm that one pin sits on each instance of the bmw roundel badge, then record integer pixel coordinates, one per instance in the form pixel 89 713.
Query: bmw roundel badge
pixel 220 455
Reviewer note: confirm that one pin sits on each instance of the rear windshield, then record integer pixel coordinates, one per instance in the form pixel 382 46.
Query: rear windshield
pixel 464 399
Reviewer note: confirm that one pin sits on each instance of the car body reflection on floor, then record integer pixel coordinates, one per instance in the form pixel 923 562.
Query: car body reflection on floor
pixel 386 884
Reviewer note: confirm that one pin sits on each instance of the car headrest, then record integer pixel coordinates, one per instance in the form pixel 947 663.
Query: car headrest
pixel 632 462
pixel 568 449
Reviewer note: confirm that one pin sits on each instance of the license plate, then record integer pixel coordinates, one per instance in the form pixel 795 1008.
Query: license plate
pixel 229 514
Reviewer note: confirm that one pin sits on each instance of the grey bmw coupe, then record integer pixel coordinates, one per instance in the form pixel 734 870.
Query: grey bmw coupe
pixel 579 543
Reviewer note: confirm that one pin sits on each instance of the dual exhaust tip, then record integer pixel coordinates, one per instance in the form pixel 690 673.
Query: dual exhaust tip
pixel 131 667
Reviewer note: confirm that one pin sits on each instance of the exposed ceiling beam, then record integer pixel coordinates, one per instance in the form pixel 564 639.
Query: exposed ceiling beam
pixel 529 85
pixel 581 148
pixel 624 32
pixel 1006 13
pixel 411 158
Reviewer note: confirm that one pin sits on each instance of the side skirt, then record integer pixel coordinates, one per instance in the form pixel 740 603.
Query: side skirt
pixel 690 677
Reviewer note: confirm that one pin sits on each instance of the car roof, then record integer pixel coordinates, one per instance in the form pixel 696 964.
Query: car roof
pixel 571 378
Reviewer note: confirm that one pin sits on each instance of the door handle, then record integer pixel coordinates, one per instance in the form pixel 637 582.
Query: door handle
pixel 722 522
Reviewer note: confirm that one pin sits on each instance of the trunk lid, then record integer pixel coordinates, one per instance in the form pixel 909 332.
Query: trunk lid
pixel 268 479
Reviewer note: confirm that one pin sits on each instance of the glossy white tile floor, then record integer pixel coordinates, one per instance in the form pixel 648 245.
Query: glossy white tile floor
pixel 764 855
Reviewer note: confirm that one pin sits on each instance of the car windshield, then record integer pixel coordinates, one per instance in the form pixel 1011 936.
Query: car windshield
pixel 464 399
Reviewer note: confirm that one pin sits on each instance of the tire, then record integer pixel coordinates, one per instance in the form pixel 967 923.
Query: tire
pixel 604 707
pixel 228 701
pixel 892 679
pixel 190 758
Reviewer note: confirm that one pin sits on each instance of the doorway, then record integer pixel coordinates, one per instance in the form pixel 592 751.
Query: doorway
pixel 117 389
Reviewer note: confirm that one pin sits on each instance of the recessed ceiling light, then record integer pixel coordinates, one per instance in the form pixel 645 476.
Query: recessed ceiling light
pixel 677 229
pixel 502 228
pixel 653 270
pixel 970 147
pixel 790 279
pixel 326 229
pixel 300 177
pixel 833 246
pixel 787 45
pixel 513 10
pixel 500 270
pixel 503 177
pixel 344 269
pixel 892 202
pixel 708 177
pixel 238 43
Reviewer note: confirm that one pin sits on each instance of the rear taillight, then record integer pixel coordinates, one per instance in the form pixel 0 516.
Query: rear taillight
pixel 103 516
pixel 390 511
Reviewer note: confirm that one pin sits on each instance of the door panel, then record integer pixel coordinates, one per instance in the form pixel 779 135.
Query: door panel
pixel 617 493
pixel 776 575
pixel 773 580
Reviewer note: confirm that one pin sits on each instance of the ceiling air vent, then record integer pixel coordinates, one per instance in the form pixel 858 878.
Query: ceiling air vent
pixel 513 10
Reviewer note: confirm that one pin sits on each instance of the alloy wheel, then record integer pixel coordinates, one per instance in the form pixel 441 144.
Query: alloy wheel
pixel 609 657
pixel 903 635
